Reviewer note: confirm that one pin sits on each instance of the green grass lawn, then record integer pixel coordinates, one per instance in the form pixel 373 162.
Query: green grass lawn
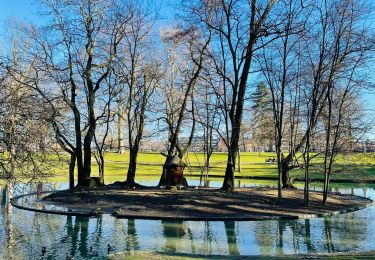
pixel 354 166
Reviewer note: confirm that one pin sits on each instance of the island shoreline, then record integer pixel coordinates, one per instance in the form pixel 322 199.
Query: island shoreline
pixel 201 204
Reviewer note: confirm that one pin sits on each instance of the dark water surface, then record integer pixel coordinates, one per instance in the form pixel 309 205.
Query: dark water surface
pixel 23 234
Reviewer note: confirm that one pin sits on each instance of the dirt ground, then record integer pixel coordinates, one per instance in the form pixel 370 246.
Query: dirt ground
pixel 203 203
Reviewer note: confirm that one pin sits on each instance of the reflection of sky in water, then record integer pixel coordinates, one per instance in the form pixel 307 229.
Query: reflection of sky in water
pixel 25 232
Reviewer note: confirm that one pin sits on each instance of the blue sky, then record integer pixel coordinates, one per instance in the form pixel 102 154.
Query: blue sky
pixel 18 9
pixel 28 10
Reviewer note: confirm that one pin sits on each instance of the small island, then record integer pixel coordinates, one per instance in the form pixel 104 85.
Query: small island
pixel 258 203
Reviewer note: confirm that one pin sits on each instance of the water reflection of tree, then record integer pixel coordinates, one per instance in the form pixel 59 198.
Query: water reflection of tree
pixel 66 239
pixel 342 233
pixel 296 229
pixel 309 246
pixel 3 196
pixel 132 236
pixel 45 230
pixel 21 240
pixel 126 233
pixel 345 232
pixel 179 236
pixel 280 237
pixel 264 236
pixel 11 241
pixel 13 248
pixel 11 232
pixel 97 234
pixel 207 238
pixel 119 231
pixel 191 238
pixel 231 237
pixel 272 235
pixel 172 231
pixel 84 231
pixel 78 235
pixel 328 236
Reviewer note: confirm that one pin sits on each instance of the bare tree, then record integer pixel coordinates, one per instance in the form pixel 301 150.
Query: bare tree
pixel 104 124
pixel 191 43
pixel 208 118
pixel 76 58
pixel 25 135
pixel 351 45
pixel 138 75
pixel 237 27
pixel 276 64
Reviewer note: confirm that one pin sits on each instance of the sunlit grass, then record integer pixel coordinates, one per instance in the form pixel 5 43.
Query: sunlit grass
pixel 351 166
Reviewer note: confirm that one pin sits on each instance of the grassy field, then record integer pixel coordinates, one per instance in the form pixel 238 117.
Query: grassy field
pixel 355 166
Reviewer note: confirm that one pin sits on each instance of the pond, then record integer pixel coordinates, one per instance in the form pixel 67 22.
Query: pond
pixel 24 233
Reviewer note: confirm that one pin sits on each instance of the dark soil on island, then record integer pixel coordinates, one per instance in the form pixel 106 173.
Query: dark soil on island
pixel 204 203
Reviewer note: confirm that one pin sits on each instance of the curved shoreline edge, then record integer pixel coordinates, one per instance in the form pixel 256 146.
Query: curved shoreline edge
pixel 14 202
pixel 93 213
pixel 271 178
pixel 161 255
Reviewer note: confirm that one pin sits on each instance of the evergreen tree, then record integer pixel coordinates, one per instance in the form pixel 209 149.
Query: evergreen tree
pixel 262 128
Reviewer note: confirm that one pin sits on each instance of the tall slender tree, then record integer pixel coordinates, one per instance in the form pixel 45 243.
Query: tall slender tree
pixel 192 43
pixel 236 27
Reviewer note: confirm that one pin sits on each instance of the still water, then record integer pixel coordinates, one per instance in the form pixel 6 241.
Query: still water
pixel 23 234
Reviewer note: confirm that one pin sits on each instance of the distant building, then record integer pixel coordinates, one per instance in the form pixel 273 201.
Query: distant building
pixel 364 146
pixel 197 144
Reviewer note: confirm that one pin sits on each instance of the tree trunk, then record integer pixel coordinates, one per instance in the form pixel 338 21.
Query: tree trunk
pixel 236 117
pixel 325 191
pixel 78 141
pixel 71 170
pixel 101 166
pixel 88 140
pixel 121 132
pixel 87 158
pixel 80 168
pixel 207 166
pixel 130 178
pixel 307 173
pixel 239 161
pixel 228 184
pixel 163 177
pixel 285 174
pixel 279 175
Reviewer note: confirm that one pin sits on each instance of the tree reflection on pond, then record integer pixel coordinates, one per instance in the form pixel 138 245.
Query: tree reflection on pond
pixel 26 233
